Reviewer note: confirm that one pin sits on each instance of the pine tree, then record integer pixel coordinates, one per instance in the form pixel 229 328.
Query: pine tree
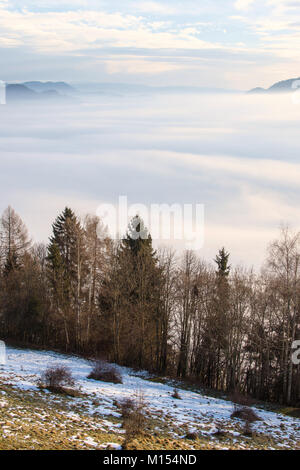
pixel 138 239
pixel 222 262
pixel 64 239
pixel 141 277
pixel 221 321
pixel 65 267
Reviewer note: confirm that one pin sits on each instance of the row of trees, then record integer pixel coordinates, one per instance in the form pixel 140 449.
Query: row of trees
pixel 228 328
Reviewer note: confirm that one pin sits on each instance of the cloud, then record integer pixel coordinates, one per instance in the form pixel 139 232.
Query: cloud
pixel 265 42
pixel 135 67
pixel 278 172
pixel 237 155
pixel 154 8
pixel 59 32
pixel 243 4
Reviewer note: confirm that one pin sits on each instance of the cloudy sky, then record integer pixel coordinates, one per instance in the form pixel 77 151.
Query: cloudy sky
pixel 221 43
pixel 236 154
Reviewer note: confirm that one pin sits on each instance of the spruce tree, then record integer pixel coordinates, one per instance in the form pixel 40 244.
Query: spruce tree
pixel 65 266
pixel 138 239
pixel 221 319
pixel 141 289
pixel 222 262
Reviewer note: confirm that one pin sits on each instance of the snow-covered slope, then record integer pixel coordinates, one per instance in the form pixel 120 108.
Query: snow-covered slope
pixel 193 413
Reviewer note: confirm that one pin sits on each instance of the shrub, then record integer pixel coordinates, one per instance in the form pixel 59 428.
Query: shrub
pixel 134 417
pixel 192 436
pixel 56 378
pixel 176 394
pixel 105 372
pixel 220 433
pixel 247 431
pixel 127 406
pixel 246 414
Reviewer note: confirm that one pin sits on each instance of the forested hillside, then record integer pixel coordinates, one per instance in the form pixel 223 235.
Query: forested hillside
pixel 226 328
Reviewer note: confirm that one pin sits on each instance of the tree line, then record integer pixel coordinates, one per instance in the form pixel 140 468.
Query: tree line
pixel 227 328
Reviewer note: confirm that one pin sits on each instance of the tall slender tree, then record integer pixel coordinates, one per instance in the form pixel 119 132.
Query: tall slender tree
pixel 66 262
pixel 14 240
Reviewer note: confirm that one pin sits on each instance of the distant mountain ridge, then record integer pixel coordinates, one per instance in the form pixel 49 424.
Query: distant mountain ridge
pixel 39 87
pixel 38 91
pixel 283 86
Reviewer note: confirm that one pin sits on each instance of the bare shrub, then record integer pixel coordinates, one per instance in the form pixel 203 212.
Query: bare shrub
pixel 220 433
pixel 246 414
pixel 105 372
pixel 56 378
pixel 134 419
pixel 247 431
pixel 176 394
pixel 192 436
pixel 242 410
pixel 127 406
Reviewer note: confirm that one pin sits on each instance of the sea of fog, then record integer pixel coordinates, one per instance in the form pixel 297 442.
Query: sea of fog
pixel 238 155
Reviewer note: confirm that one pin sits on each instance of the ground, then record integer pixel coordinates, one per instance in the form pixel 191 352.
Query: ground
pixel 34 418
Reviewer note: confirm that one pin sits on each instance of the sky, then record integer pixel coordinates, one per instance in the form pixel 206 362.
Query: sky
pixel 238 155
pixel 228 44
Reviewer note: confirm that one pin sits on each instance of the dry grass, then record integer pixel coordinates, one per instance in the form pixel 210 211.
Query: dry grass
pixel 30 420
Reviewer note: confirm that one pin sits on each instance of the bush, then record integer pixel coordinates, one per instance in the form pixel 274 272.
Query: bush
pixel 247 431
pixel 127 406
pixel 246 414
pixel 134 415
pixel 220 433
pixel 176 394
pixel 105 372
pixel 56 378
pixel 191 436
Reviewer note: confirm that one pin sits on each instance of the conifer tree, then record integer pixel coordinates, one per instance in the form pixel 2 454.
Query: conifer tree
pixel 222 262
pixel 138 262
pixel 65 267
pixel 221 320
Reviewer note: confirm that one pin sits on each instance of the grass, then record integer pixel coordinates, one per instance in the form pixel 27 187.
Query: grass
pixel 292 412
pixel 41 420
pixel 30 421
